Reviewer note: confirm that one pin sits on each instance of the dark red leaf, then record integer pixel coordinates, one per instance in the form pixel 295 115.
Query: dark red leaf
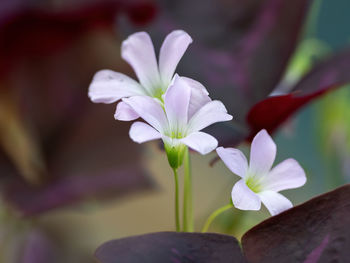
pixel 32 30
pixel 272 112
pixel 171 247
pixel 314 232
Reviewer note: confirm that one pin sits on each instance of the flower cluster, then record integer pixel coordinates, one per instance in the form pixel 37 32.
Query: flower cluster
pixel 176 108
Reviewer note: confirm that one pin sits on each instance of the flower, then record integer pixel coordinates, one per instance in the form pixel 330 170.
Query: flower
pixel 178 122
pixel 259 182
pixel 108 86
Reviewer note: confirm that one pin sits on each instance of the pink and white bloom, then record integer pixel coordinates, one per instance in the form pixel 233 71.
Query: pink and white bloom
pixel 178 122
pixel 259 182
pixel 154 77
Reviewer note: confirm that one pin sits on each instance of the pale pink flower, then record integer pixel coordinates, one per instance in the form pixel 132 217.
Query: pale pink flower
pixel 178 122
pixel 259 182
pixel 154 78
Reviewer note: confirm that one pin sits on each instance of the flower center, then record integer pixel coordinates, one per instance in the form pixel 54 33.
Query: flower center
pixel 177 135
pixel 254 183
pixel 158 93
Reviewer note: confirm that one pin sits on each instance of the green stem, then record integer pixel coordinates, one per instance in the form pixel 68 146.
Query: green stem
pixel 214 215
pixel 188 200
pixel 177 214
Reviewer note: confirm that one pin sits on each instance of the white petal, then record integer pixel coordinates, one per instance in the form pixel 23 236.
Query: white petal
pixel 125 113
pixel 286 175
pixel 138 51
pixel 176 101
pixel 262 153
pixel 149 110
pixel 141 132
pixel 172 50
pixel 199 96
pixel 200 142
pixel 194 84
pixel 243 198
pixel 108 86
pixel 275 202
pixel 212 112
pixel 234 160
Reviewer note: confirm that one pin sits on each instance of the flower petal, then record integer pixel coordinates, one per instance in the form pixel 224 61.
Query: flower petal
pixel 138 51
pixel 172 50
pixel 108 86
pixel 200 142
pixel 262 154
pixel 275 202
pixel 234 159
pixel 286 175
pixel 212 112
pixel 176 102
pixel 149 110
pixel 141 132
pixel 243 198
pixel 199 96
pixel 125 113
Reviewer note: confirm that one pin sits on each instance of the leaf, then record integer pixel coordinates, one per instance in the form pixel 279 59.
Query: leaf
pixel 46 30
pixel 171 247
pixel 316 231
pixel 62 192
pixel 26 155
pixel 38 248
pixel 83 165
pixel 21 242
pixel 65 44
pixel 241 48
pixel 272 112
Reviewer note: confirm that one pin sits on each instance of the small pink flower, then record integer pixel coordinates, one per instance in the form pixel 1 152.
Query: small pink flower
pixel 154 78
pixel 259 182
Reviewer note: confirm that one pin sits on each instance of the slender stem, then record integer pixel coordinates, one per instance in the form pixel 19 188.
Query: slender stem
pixel 214 215
pixel 177 214
pixel 188 200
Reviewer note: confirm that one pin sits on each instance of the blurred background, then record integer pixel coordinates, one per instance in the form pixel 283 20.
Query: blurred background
pixel 70 177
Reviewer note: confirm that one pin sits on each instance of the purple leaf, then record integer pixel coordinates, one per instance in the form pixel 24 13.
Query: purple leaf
pixel 171 247
pixel 316 231
pixel 69 190
pixel 333 71
pixel 46 30
pixel 263 53
pixel 85 152
pixel 102 162
pixel 38 248
pixel 240 52
pixel 241 48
